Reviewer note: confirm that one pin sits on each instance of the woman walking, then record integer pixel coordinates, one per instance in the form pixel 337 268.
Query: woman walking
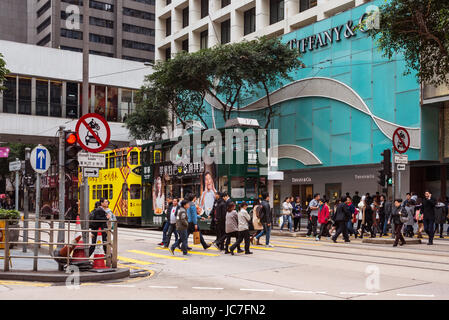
pixel 297 214
pixel 323 218
pixel 243 229
pixel 410 208
pixel 258 226
pixel 361 207
pixel 440 216
pixel 419 217
pixel 287 214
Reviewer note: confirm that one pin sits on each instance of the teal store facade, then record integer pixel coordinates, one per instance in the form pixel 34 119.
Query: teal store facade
pixel 340 112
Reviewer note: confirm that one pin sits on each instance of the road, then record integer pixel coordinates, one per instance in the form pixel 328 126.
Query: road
pixel 295 268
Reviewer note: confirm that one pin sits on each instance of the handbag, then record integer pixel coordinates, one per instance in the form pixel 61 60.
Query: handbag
pixel 196 237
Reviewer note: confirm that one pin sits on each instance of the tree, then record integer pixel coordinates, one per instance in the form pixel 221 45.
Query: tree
pixel 3 71
pixel 420 30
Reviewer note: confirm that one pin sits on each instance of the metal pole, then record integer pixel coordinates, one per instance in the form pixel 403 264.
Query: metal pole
pixel 393 175
pixel 25 204
pixel 17 188
pixel 36 224
pixel 85 214
pixel 85 102
pixel 61 186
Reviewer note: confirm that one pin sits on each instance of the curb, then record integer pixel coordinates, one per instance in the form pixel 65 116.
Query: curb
pixel 390 241
pixel 62 276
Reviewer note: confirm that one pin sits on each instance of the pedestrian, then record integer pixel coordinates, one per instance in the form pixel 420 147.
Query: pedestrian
pixel 342 216
pixel 99 220
pixel 361 207
pixel 410 207
pixel 313 206
pixel 388 207
pixel 350 223
pixel 396 217
pixel 266 219
pixel 376 217
pixel 221 212
pixel 172 211
pixel 367 220
pixel 232 226
pixel 428 206
pixel 381 215
pixel 243 229
pixel 419 217
pixel 182 225
pixel 440 216
pixel 258 226
pixel 287 214
pixel 192 216
pixel 297 214
pixel 323 218
pixel 165 224
pixel 356 199
pixel 213 213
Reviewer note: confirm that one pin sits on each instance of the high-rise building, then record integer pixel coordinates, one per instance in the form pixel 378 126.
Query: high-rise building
pixel 117 28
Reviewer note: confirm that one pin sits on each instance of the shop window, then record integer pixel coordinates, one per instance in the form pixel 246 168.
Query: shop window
pixel 237 187
pixel 126 104
pixel 24 96
pixel 100 100
pixel 55 99
pixel 134 158
pixel 9 95
pixel 251 188
pixel 134 191
pixel 112 104
pixel 72 100
pixel 41 98
pixel 94 192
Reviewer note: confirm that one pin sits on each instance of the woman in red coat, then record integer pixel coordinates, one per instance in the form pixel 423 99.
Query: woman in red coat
pixel 323 217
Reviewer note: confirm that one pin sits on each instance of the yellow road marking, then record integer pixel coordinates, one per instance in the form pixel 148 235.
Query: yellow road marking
pixel 193 252
pixel 200 246
pixel 22 283
pixel 156 255
pixel 297 242
pixel 124 259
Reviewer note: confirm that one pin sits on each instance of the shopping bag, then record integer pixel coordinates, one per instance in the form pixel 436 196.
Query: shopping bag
pixel 196 237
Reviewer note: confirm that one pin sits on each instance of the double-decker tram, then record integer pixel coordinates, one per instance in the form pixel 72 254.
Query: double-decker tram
pixel 169 171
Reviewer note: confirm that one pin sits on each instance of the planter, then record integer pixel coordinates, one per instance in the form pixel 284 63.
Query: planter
pixel 13 218
pixel 13 234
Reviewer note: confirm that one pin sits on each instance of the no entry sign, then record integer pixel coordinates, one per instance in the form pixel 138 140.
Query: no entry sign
pixel 93 132
pixel 401 140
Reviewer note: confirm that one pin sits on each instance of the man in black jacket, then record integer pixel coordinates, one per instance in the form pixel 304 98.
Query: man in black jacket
pixel 428 207
pixel 100 218
pixel 220 219
pixel 266 219
pixel 342 216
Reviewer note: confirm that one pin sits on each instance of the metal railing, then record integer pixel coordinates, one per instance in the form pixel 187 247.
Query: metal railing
pixel 71 242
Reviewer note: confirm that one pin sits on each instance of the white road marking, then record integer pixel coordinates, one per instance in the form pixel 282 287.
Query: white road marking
pixel 261 290
pixel 415 295
pixel 312 292
pixel 207 288
pixel 359 293
pixel 121 285
pixel 163 287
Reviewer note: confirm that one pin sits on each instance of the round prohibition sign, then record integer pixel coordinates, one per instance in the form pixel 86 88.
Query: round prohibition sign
pixel 93 130
pixel 401 140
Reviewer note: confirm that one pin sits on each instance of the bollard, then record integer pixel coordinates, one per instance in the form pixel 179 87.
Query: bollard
pixel 108 247
pixel 51 238
pixel 115 247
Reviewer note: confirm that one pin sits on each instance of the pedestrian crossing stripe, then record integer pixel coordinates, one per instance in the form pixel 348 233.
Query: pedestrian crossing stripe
pixel 215 249
pixel 156 255
pixel 297 242
pixel 193 252
pixel 144 263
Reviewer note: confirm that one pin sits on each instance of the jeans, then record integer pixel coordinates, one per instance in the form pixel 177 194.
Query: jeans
pixel 440 227
pixel 164 231
pixel 350 227
pixel 312 226
pixel 398 234
pixel 181 240
pixel 429 227
pixel 266 231
pixel 287 218
pixel 385 225
pixel 171 229
pixel 297 223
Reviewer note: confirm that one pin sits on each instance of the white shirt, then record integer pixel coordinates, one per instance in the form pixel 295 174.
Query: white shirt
pixel 172 215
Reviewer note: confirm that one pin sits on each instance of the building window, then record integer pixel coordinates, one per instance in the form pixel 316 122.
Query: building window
pixel 249 18
pixel 112 106
pixel 225 3
pixel 55 99
pixel 71 49
pixel 44 8
pixel 167 53
pixel 24 96
pixel 71 100
pixel 44 25
pixel 65 16
pixel 100 39
pixel 72 34
pixel 167 27
pixel 203 39
pixel 185 45
pixel 185 17
pixel 276 11
pixel 138 14
pixel 100 100
pixel 139 30
pixel 143 60
pixel 138 45
pixel 41 98
pixel 101 6
pixel 204 8
pixel 9 95
pixel 45 40
pixel 149 2
pixel 94 21
pixel 99 53
pixel 306 4
pixel 226 31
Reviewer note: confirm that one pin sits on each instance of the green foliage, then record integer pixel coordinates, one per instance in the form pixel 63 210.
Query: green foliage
pixel 419 29
pixel 9 214
pixel 3 71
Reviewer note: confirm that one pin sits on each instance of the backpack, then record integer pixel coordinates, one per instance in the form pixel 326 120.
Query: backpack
pixel 403 214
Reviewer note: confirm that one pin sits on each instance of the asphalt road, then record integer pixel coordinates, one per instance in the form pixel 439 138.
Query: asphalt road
pixel 295 268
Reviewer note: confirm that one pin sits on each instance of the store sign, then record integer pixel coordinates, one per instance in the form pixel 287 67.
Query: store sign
pixel 328 37
pixel 192 168
pixel 147 173
pixel 302 180
pixel 364 176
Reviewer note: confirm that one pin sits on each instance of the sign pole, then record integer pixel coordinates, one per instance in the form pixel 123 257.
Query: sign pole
pixel 394 176
pixel 85 213
pixel 61 187
pixel 36 224
pixel 25 202
pixel 17 188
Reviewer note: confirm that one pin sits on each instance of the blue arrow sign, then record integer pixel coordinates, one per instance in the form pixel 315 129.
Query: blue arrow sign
pixel 41 158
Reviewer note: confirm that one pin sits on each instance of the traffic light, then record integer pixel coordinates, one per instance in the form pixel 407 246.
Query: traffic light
pixel 71 150
pixel 381 177
pixel 386 168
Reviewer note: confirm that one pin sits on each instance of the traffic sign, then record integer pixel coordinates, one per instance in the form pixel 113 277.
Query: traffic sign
pixel 91 172
pixel 93 132
pixel 401 158
pixel 401 166
pixel 93 160
pixel 15 166
pixel 401 140
pixel 40 159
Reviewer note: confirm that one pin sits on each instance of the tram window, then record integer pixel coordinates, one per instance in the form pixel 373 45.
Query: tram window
pixel 94 192
pixel 134 158
pixel 125 191
pixel 111 161
pixel 125 161
pixel 110 192
pixel 134 191
pixel 105 191
pixel 237 187
pixel 118 161
pixel 99 187
pixel 157 156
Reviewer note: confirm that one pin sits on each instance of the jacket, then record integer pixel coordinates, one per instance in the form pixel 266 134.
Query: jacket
pixel 243 219
pixel 297 210
pixel 323 214
pixel 428 207
pixel 440 213
pixel 388 208
pixel 396 216
pixel 169 212
pixel 256 221
pixel 181 219
pixel 287 209
pixel 192 215
pixel 342 213
pixel 101 219
pixel 265 212
pixel 232 222
pixel 411 215
pixel 220 213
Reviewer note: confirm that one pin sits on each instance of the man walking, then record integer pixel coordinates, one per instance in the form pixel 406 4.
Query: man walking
pixel 220 217
pixel 314 207
pixel 266 219
pixel 172 211
pixel 396 217
pixel 342 216
pixel 428 206
pixel 181 227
